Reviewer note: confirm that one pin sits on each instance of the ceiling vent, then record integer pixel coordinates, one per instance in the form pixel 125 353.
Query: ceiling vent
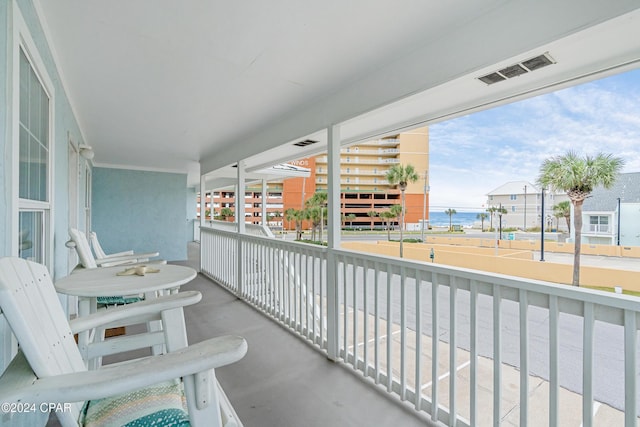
pixel 517 69
pixel 305 143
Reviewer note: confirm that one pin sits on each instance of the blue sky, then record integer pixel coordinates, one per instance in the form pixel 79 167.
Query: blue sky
pixel 472 155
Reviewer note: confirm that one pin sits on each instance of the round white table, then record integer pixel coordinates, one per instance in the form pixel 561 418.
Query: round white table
pixel 89 284
pixel 104 281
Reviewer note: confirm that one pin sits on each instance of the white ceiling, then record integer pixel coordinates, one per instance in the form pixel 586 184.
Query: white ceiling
pixel 179 85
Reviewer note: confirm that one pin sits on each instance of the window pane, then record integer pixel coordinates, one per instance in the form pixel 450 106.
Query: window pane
pixel 34 106
pixel 31 236
pixel 34 135
pixel 23 166
pixel 25 69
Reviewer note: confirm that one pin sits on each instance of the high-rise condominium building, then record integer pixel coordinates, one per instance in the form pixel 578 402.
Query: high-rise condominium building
pixel 363 183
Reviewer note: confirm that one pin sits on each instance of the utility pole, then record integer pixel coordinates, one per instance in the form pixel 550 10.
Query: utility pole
pixel 525 209
pixel 424 206
pixel 618 224
pixel 542 224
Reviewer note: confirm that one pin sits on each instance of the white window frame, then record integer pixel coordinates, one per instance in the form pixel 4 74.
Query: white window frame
pixel 22 41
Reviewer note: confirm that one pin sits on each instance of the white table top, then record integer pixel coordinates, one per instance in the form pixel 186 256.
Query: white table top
pixel 103 281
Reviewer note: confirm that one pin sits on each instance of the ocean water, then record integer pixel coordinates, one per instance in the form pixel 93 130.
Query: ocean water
pixel 465 219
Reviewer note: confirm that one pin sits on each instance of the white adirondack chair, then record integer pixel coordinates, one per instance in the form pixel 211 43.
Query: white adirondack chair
pixel 80 242
pixel 49 367
pixel 101 255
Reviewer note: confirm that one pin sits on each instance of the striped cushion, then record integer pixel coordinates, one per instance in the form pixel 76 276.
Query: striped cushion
pixel 161 405
pixel 117 300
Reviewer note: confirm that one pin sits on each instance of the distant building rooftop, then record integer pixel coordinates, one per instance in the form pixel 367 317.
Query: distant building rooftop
pixel 626 187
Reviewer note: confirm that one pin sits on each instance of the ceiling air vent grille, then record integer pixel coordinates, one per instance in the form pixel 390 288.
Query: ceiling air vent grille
pixel 492 78
pixel 517 69
pixel 305 143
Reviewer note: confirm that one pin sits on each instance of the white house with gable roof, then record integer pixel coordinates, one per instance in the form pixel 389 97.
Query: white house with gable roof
pixel 523 203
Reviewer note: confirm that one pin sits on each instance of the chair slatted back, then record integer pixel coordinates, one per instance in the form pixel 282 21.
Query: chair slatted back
pixel 100 253
pixel 82 247
pixel 31 306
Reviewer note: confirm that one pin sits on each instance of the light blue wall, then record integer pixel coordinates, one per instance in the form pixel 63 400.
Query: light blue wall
pixel 5 153
pixel 64 123
pixel 140 210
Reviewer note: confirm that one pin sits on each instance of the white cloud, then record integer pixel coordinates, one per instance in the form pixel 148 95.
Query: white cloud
pixel 472 155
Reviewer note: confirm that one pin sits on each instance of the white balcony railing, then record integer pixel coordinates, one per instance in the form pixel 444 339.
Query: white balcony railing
pixel 597 228
pixel 380 315
pixel 253 229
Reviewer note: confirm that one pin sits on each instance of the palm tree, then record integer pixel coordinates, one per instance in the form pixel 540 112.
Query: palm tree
pixel 578 176
pixel 500 211
pixel 402 175
pixel 317 210
pixel 226 213
pixel 451 213
pixel 386 217
pixel 372 214
pixel 351 217
pixel 491 211
pixel 482 216
pixel 563 210
pixel 297 216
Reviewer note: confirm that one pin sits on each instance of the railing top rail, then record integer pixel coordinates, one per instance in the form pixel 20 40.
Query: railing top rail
pixel 573 297
pixel 567 292
pixel 269 241
pixel 254 229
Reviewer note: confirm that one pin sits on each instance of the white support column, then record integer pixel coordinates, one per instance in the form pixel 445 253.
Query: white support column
pixel 240 197
pixel 333 239
pixel 203 208
pixel 241 226
pixel 265 221
pixel 203 199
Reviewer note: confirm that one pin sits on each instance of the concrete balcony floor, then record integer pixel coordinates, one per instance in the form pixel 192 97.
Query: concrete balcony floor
pixel 283 381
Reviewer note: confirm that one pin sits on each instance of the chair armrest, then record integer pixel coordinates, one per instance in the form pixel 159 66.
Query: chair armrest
pixel 123 312
pixel 126 258
pixel 114 380
pixel 116 254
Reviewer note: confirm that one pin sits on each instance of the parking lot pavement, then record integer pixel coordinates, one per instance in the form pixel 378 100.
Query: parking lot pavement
pixel 619 263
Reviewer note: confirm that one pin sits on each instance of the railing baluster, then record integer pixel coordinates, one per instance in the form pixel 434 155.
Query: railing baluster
pixel 554 362
pixel 403 333
pixel 345 305
pixel 308 295
pixel 630 369
pixel 524 357
pixel 280 284
pixel 587 365
pixel 272 279
pixel 473 326
pixel 365 324
pixel 435 339
pixel 453 352
pixel 497 355
pixel 418 355
pixel 355 313
pixel 298 284
pixel 323 291
pixel 291 287
pixel 376 325
pixel 389 331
